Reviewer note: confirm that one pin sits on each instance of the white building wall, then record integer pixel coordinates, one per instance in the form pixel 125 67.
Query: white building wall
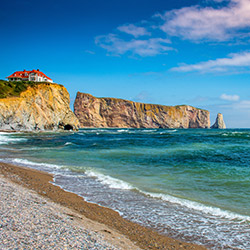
pixel 32 77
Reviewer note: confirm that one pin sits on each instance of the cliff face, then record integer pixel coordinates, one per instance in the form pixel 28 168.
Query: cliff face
pixel 219 123
pixel 111 112
pixel 42 107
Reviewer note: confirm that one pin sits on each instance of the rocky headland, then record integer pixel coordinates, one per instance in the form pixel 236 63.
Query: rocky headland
pixel 111 112
pixel 29 106
pixel 43 106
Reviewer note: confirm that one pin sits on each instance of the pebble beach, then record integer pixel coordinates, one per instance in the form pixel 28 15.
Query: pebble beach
pixel 35 214
pixel 29 221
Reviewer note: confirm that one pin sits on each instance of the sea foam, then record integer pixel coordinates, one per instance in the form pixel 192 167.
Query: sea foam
pixel 37 164
pixel 215 211
pixel 5 138
pixel 110 181
pixel 120 184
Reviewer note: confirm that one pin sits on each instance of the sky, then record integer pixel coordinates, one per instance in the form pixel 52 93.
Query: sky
pixel 168 52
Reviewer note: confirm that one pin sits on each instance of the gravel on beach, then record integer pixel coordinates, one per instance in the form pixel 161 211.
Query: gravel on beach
pixel 29 221
pixel 97 222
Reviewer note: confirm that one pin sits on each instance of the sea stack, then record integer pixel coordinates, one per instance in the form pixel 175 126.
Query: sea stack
pixel 219 123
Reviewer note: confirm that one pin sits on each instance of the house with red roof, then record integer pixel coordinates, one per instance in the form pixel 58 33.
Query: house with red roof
pixel 33 75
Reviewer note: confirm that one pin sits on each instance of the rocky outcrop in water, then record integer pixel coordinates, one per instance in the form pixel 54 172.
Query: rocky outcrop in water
pixel 219 123
pixel 44 106
pixel 112 112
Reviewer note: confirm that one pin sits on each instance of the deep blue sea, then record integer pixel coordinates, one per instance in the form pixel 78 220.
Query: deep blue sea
pixel 190 184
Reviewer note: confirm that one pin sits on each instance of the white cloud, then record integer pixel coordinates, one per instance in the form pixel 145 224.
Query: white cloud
pixel 229 97
pixel 234 61
pixel 117 46
pixel 90 52
pixel 226 20
pixel 134 30
pixel 243 105
pixel 143 96
pixel 217 24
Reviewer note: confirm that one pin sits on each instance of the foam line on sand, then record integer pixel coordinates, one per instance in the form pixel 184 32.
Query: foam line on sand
pixel 102 225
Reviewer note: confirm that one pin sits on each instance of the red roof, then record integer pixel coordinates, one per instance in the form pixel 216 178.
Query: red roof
pixel 21 74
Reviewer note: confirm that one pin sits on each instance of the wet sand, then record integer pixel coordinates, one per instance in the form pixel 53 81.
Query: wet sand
pixel 142 237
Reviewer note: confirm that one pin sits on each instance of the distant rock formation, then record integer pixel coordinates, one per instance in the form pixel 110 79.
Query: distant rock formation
pixel 219 123
pixel 111 112
pixel 44 106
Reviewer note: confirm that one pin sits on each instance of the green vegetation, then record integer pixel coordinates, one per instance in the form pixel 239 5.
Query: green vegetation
pixel 8 89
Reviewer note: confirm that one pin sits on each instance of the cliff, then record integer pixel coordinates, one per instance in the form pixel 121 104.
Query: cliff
pixel 219 123
pixel 43 106
pixel 111 112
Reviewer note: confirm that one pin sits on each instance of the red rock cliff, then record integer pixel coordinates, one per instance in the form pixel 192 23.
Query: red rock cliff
pixel 111 112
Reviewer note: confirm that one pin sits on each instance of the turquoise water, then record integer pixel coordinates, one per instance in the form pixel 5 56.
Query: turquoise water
pixel 190 184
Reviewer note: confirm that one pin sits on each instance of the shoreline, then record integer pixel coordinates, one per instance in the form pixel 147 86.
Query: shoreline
pixel 39 223
pixel 42 183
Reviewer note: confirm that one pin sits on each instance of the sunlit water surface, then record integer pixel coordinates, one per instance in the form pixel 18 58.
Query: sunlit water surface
pixel 189 184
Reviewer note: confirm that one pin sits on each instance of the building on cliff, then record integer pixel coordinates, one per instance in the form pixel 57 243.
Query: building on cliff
pixel 33 75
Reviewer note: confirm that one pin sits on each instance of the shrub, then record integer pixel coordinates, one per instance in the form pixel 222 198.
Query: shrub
pixel 8 89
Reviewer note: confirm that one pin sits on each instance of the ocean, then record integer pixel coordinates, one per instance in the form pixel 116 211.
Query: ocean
pixel 189 184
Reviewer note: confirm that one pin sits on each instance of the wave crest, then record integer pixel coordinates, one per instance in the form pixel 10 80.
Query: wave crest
pixel 110 181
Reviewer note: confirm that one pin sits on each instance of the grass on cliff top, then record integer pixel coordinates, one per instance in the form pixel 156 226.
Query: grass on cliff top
pixel 9 89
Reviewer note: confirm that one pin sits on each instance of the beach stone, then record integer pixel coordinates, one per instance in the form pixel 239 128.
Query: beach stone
pixel 28 221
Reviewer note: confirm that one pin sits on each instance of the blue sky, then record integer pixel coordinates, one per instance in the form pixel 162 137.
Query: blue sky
pixel 155 51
